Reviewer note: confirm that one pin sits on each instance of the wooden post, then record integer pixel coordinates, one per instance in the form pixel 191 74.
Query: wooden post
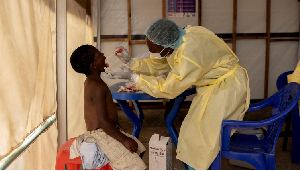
pixel 133 42
pixel 199 12
pixel 113 39
pixel 282 40
pixel 88 7
pixel 129 33
pixel 251 37
pixel 129 25
pixel 163 8
pixel 234 26
pixel 268 19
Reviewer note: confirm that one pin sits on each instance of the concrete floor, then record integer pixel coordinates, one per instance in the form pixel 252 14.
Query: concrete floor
pixel 154 123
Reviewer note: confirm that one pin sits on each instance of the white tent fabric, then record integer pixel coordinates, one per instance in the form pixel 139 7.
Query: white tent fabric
pixel 283 57
pixel 28 79
pixel 114 15
pixel 143 12
pixel 31 63
pixel 78 33
pixel 252 57
pixel 251 16
pixel 284 16
pixel 217 15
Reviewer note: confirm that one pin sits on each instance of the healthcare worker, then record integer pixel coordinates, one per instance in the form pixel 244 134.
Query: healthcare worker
pixel 196 56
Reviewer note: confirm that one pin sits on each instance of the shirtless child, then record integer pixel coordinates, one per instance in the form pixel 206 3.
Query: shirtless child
pixel 100 114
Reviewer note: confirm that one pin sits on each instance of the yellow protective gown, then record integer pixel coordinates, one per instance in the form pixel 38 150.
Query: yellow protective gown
pixel 295 76
pixel 223 92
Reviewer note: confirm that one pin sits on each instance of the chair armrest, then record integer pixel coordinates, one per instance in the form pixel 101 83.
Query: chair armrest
pixel 282 79
pixel 249 124
pixel 260 105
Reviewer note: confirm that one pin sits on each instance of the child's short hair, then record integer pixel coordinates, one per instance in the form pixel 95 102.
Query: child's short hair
pixel 81 59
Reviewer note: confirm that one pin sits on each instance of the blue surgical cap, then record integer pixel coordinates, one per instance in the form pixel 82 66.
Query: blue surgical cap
pixel 166 33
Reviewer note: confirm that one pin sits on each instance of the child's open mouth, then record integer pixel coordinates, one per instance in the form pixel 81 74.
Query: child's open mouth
pixel 106 65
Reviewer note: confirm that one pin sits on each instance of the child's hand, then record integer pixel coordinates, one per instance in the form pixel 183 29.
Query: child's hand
pixel 130 144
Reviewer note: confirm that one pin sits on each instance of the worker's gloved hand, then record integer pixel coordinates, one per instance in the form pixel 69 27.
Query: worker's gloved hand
pixel 126 74
pixel 117 75
pixel 122 54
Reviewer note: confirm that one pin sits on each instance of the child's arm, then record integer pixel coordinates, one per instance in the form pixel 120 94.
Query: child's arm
pixel 120 128
pixel 108 127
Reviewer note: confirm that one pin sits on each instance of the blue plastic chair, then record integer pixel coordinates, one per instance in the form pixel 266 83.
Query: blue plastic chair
pixel 293 117
pixel 259 153
pixel 282 81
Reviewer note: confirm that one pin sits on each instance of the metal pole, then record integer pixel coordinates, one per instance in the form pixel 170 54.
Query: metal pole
pixel 5 162
pixel 98 24
pixel 61 64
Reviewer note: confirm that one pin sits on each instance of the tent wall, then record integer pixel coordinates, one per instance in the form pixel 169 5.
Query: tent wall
pixel 28 80
pixel 29 77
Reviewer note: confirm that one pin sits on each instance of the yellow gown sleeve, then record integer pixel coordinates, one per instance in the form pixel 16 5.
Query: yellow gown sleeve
pixel 295 76
pixel 184 74
pixel 151 67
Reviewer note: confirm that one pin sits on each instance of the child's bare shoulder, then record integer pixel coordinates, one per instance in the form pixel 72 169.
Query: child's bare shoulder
pixel 92 87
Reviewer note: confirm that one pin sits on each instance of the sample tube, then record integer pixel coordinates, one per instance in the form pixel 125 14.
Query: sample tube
pixel 114 54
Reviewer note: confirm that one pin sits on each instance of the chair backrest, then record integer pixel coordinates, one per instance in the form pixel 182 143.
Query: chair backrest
pixel 284 101
pixel 282 79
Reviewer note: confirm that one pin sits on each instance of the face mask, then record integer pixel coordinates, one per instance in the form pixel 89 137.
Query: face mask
pixel 155 55
pixel 158 55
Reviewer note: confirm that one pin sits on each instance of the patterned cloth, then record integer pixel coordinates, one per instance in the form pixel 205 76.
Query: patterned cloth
pixel 92 157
